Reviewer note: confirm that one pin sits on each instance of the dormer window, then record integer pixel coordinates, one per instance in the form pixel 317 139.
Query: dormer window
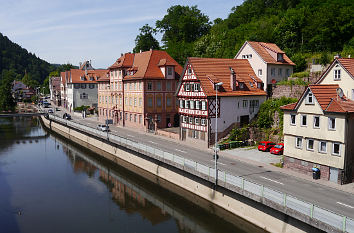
pixel 91 78
pixel 309 99
pixel 280 57
pixel 82 78
pixel 169 70
pixel 186 86
pixel 196 87
pixel 242 85
pixel 189 72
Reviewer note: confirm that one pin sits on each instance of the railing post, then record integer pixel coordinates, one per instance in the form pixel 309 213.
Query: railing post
pixel 344 223
pixel 196 166
pixel 243 183
pixel 312 207
pixel 284 199
pixel 224 176
pixel 262 191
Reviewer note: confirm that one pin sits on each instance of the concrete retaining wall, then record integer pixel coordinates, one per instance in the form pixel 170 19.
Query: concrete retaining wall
pixel 256 213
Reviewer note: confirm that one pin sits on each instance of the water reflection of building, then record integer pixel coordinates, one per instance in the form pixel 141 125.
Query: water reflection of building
pixel 131 201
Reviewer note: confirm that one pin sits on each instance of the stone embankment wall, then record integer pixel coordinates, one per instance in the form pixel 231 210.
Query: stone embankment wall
pixel 293 91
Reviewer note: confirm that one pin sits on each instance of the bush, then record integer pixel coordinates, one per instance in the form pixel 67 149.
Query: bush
pixel 301 74
pixel 300 61
pixel 81 108
pixel 239 134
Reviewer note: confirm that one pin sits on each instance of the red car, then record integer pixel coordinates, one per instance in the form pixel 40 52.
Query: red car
pixel 278 149
pixel 265 145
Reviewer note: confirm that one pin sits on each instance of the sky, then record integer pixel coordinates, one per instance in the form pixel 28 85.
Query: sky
pixel 62 31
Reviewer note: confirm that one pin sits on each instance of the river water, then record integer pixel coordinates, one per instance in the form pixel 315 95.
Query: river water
pixel 49 184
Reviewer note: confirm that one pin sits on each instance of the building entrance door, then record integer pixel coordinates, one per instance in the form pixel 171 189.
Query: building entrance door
pixel 184 134
pixel 333 174
pixel 244 120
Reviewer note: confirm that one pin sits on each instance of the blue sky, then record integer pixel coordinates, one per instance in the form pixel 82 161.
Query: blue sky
pixel 61 31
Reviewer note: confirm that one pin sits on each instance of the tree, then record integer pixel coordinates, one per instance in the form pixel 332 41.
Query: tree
pixel 29 81
pixel 7 103
pixel 181 26
pixel 145 40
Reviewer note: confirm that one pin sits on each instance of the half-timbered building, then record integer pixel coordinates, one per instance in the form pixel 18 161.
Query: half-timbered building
pixel 239 97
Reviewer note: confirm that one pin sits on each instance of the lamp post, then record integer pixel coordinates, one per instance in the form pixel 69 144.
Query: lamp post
pixel 216 132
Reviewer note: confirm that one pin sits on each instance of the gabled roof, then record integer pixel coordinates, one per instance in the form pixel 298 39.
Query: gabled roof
pixel 147 65
pixel 261 48
pixel 326 96
pixel 76 74
pixel 346 63
pixel 212 70
pixel 126 60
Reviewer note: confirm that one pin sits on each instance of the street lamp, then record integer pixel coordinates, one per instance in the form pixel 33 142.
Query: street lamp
pixel 216 132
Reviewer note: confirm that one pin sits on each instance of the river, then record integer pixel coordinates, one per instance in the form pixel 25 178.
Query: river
pixel 49 184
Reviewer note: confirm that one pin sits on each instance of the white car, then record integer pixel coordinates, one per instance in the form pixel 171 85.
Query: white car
pixel 103 128
pixel 50 110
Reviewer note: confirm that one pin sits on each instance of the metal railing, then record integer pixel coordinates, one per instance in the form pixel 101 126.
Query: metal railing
pixel 335 220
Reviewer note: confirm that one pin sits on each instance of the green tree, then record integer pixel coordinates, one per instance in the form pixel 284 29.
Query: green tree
pixel 181 26
pixel 29 81
pixel 7 103
pixel 145 40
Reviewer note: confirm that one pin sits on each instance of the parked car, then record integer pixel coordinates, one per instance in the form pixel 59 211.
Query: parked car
pixel 103 128
pixel 265 145
pixel 50 110
pixel 66 116
pixel 278 149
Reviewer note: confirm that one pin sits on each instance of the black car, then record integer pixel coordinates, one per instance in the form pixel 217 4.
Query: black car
pixel 66 116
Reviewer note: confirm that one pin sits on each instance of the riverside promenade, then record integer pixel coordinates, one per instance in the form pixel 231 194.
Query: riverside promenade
pixel 308 198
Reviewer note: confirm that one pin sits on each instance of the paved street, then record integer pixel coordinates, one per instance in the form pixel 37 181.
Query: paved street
pixel 327 197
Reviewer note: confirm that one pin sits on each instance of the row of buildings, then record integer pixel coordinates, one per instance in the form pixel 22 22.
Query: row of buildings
pixel 150 90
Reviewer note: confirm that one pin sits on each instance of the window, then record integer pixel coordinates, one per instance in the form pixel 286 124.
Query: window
pixel 140 119
pixel 130 101
pixel 337 74
pixel 130 117
pixel 310 143
pixel 331 123
pixel 76 86
pixel 203 121
pixel 197 121
pixel 135 101
pixel 181 103
pixel 244 103
pixel 316 122
pixel 279 57
pixel 169 70
pixel 168 101
pixel 287 72
pixel 149 101
pixel 168 86
pixel 192 104
pixel 191 120
pixel 126 100
pixel 149 87
pixel 309 98
pixel 298 143
pixel 134 117
pixel 186 104
pixel 158 86
pixel 184 119
pixel 126 116
pixel 241 85
pixel 196 87
pixel 158 101
pixel 195 134
pixel 280 72
pixel 322 147
pixel 197 104
pixel 189 72
pixel 83 85
pixel 272 71
pixel 303 120
pixel 203 105
pixel 260 72
pixel 187 87
pixel 292 119
pixel 83 96
pixel 335 148
pixel 140 102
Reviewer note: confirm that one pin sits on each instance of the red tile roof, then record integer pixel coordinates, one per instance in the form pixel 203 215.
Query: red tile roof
pixel 262 47
pixel 326 96
pixel 218 70
pixel 146 64
pixel 76 74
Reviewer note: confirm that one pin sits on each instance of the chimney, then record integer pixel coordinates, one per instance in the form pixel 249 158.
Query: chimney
pixel 121 54
pixel 232 79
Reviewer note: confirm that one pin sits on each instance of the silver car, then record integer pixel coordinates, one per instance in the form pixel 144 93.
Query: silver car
pixel 50 110
pixel 103 128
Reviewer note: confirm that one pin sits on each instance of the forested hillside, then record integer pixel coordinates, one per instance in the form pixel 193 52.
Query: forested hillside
pixel 17 59
pixel 300 27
